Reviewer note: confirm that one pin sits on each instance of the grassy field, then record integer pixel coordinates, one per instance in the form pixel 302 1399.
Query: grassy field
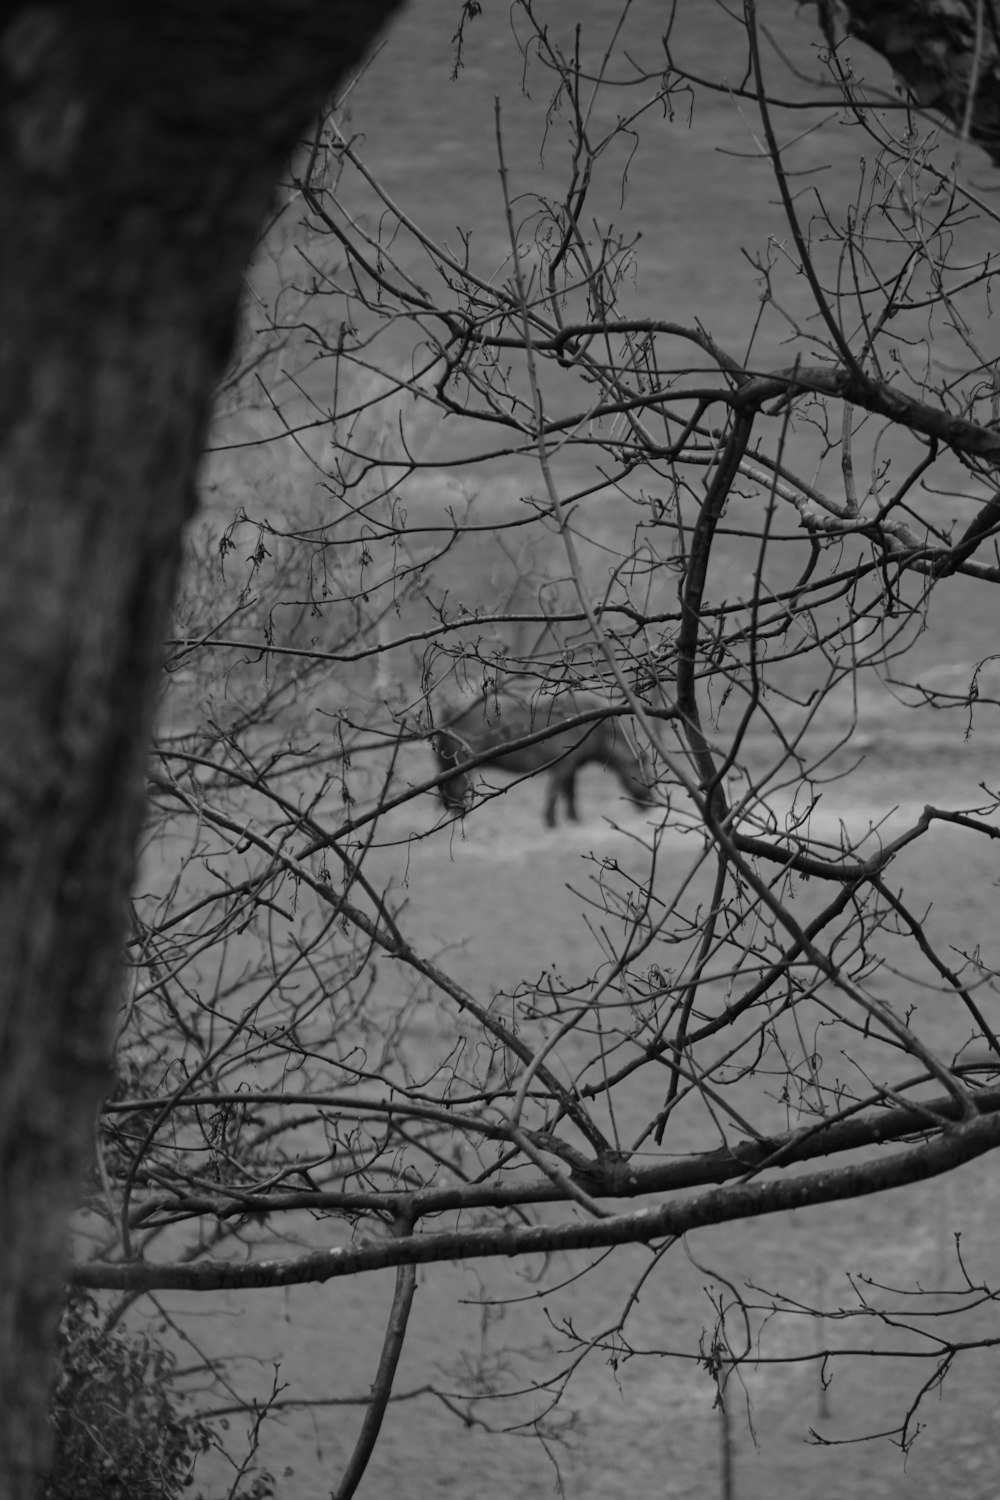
pixel 505 901
pixel 638 1415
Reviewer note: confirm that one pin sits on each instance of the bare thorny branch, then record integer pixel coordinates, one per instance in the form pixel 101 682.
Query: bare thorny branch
pixel 729 564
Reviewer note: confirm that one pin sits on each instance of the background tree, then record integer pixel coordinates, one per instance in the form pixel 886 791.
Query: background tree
pixel 139 153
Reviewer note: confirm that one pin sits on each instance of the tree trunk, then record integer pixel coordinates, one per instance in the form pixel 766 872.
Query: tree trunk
pixel 140 145
pixel 946 53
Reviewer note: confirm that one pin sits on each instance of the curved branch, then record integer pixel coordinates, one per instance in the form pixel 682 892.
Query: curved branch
pixel 392 1346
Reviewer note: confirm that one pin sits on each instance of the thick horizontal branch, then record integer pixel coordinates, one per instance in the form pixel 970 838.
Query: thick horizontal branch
pixel 749 391
pixel 613 1177
pixel 880 399
pixel 946 52
pixel 954 1145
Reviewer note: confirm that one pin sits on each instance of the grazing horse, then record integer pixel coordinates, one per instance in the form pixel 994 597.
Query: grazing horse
pixel 481 730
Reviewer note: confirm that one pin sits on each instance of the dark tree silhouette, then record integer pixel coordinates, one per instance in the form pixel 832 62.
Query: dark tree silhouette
pixel 140 147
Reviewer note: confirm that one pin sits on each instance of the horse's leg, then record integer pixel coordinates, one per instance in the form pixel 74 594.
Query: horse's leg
pixel 455 791
pixel 551 795
pixel 569 795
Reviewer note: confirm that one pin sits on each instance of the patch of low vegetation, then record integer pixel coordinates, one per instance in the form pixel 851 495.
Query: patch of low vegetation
pixel 123 1428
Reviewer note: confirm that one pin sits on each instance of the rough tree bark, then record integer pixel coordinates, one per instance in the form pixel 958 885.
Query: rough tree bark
pixel 139 147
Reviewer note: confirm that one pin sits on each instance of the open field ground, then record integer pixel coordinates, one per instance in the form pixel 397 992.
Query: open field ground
pixel 499 900
pixel 585 1375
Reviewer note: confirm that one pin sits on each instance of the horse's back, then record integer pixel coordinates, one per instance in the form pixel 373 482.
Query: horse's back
pixel 491 724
